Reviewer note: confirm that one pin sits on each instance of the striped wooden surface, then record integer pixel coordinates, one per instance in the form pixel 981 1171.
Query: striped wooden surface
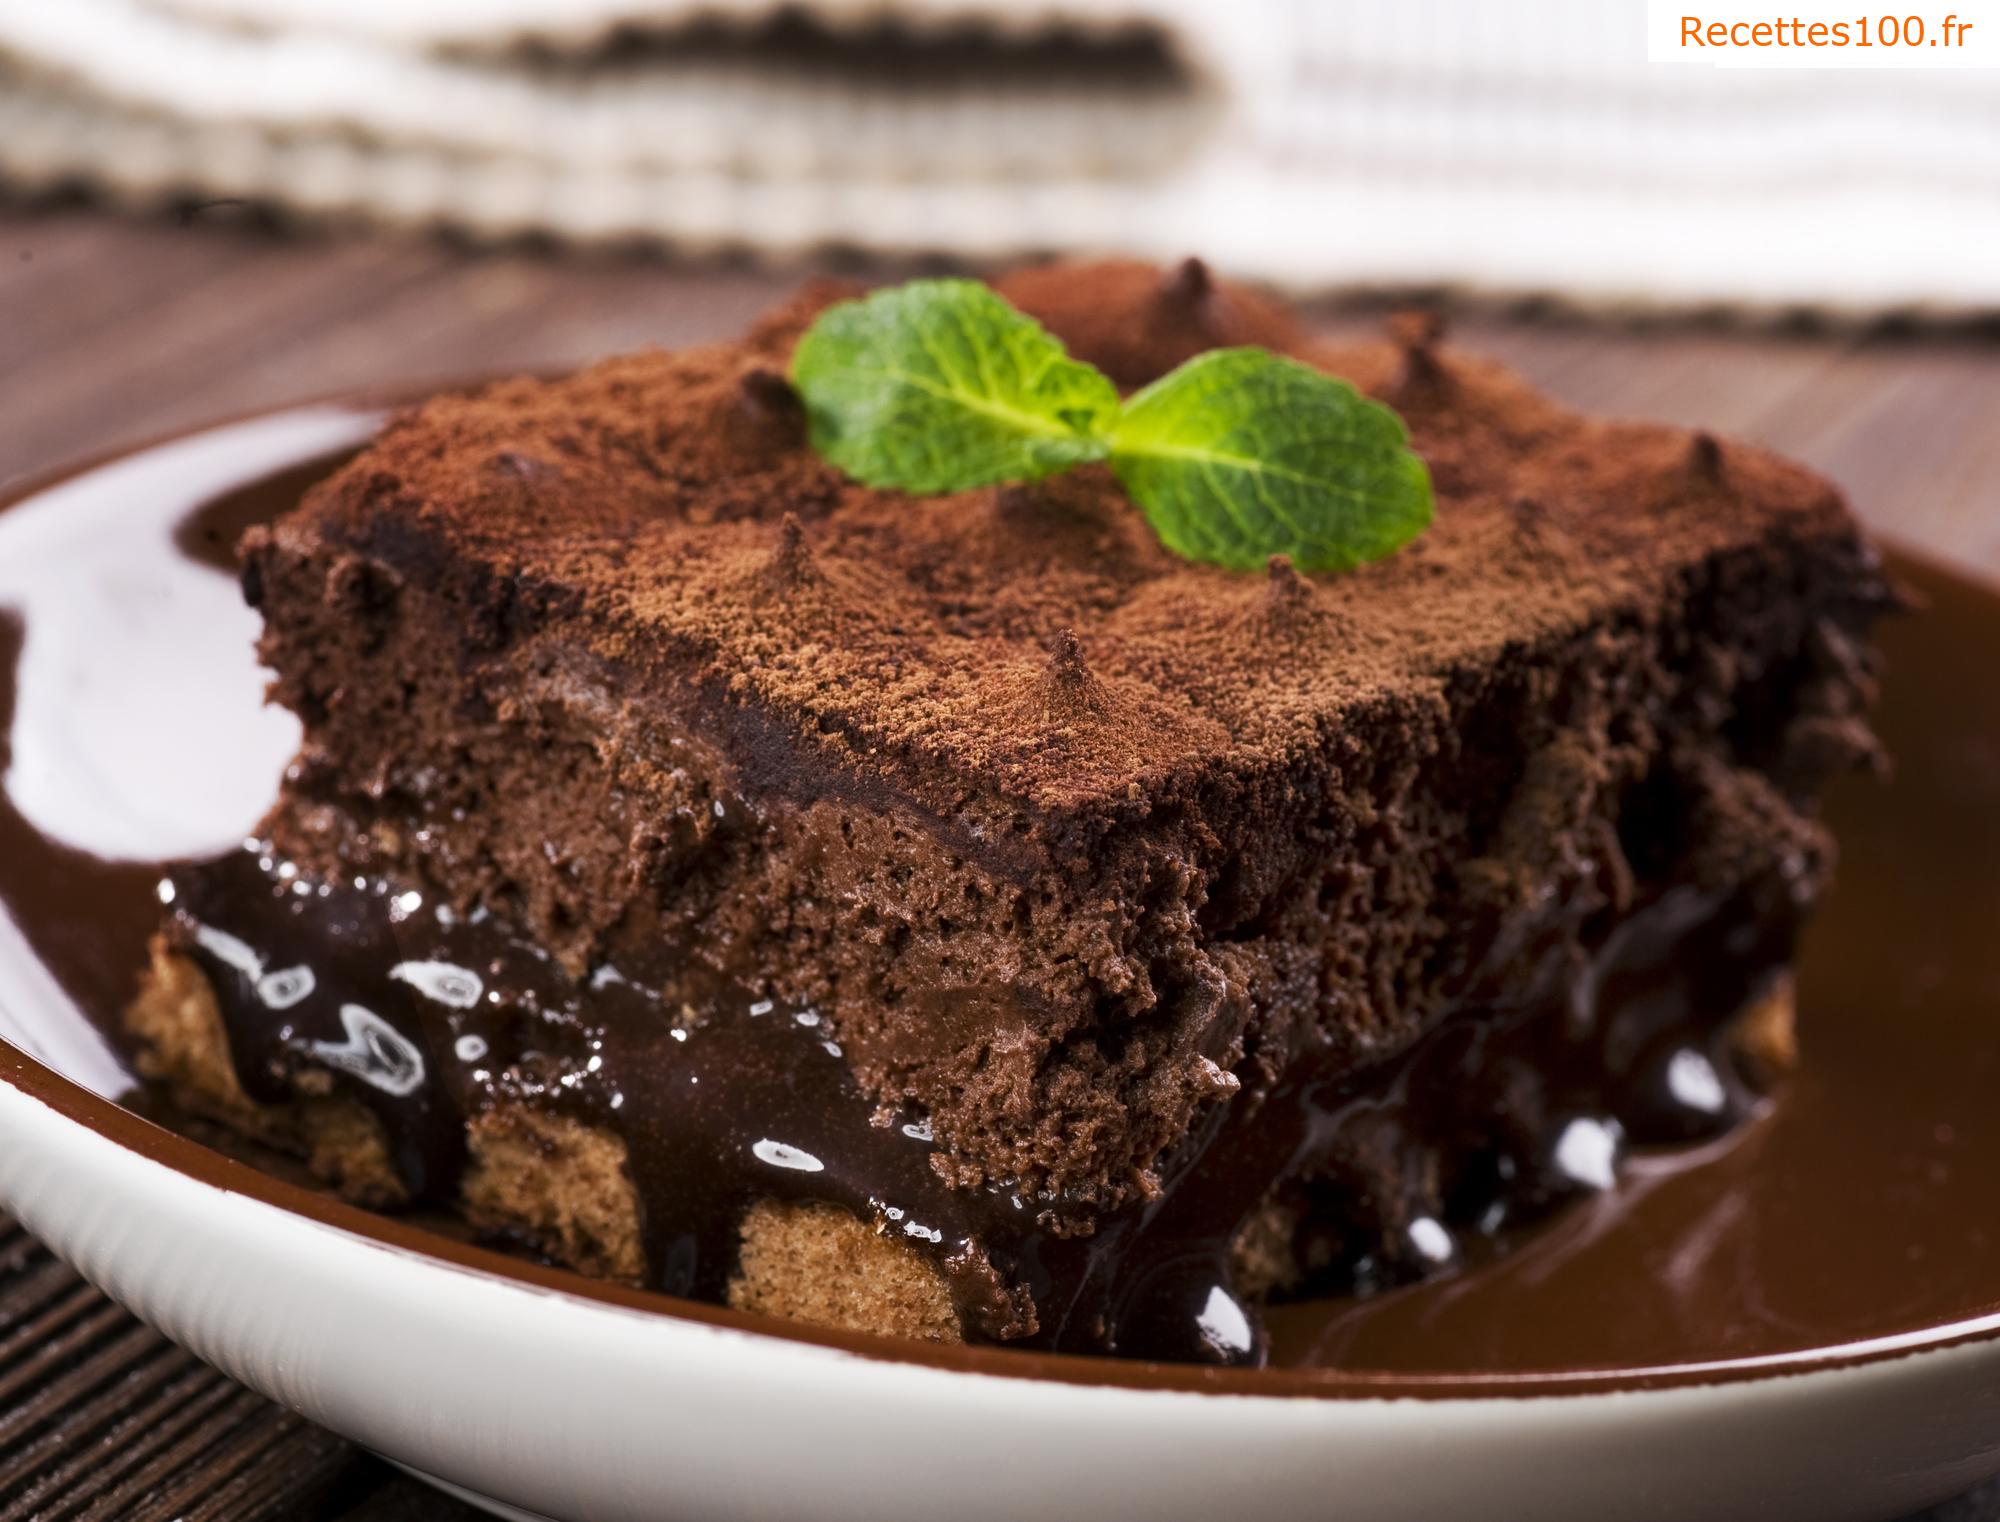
pixel 104 1420
pixel 113 331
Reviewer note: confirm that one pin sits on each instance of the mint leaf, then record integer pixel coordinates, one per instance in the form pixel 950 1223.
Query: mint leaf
pixel 1239 455
pixel 940 385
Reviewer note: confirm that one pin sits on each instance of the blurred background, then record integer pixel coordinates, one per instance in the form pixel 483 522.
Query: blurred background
pixel 1499 149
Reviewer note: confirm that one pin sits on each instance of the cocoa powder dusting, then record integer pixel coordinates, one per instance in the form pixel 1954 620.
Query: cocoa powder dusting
pixel 629 487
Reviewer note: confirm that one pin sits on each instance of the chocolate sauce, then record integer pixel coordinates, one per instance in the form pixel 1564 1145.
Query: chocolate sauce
pixel 1859 1204
pixel 88 920
pixel 429 1018
pixel 207 535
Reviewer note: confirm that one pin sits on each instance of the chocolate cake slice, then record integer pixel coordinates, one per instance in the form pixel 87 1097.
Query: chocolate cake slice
pixel 963 916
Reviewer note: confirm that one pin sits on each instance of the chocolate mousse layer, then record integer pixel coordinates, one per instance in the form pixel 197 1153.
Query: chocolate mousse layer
pixel 1165 933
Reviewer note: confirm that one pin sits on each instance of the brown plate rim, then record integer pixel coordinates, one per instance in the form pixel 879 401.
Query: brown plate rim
pixel 154 1143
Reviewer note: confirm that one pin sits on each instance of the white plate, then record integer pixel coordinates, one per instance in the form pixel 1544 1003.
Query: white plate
pixel 530 1389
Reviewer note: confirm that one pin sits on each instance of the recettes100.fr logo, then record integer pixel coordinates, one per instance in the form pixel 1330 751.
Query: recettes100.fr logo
pixel 1831 34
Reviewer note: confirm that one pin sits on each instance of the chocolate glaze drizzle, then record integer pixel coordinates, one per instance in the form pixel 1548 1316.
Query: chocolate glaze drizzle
pixel 427 1018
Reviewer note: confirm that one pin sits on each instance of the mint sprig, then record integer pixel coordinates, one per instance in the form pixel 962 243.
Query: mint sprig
pixel 940 385
pixel 1237 455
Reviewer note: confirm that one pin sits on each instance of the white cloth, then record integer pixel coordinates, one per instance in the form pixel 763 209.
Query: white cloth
pixel 1510 149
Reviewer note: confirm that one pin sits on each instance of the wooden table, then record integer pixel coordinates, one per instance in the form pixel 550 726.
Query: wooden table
pixel 111 331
